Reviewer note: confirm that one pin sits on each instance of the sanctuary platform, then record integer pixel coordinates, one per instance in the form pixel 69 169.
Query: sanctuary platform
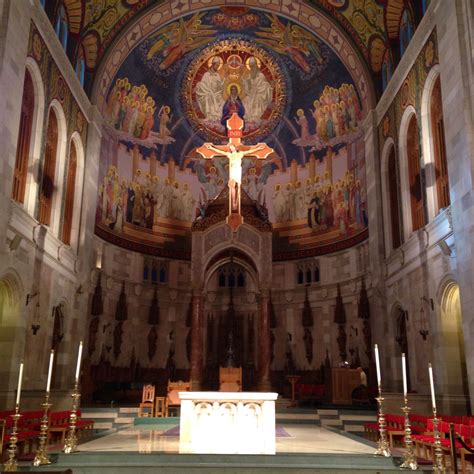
pixel 150 445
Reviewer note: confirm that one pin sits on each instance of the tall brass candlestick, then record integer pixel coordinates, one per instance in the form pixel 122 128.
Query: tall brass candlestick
pixel 409 458
pixel 383 448
pixel 42 457
pixel 438 466
pixel 70 445
pixel 12 464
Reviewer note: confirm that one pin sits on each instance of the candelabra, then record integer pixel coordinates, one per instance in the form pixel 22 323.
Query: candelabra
pixel 438 461
pixel 42 457
pixel 70 445
pixel 383 449
pixel 12 463
pixel 409 458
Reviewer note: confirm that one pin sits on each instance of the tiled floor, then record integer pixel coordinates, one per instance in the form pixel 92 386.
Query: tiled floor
pixel 303 438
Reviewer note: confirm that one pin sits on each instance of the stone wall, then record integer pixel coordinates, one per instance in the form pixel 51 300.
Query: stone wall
pixel 37 271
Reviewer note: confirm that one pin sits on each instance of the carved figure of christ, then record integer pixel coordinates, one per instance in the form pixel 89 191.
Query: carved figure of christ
pixel 234 152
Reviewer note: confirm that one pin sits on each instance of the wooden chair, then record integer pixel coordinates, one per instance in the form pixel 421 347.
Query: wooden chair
pixel 160 407
pixel 147 406
pixel 172 398
pixel 230 379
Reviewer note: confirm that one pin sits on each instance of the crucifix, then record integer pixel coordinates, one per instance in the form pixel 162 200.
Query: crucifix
pixel 234 150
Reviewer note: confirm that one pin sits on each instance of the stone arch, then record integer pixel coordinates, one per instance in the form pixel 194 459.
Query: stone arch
pixel 78 190
pixel 36 135
pixel 408 115
pixel 224 257
pixel 451 342
pixel 427 139
pixel 249 254
pixel 388 148
pixel 11 288
pixel 60 166
pixel 12 323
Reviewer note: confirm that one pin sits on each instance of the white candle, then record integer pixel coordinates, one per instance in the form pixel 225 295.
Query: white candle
pixel 377 365
pixel 50 370
pixel 404 371
pixel 20 378
pixel 78 366
pixel 433 399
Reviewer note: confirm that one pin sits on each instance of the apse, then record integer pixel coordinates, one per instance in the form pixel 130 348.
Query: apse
pixel 170 92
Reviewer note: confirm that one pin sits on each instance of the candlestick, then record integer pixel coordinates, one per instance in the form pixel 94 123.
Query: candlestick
pixel 12 464
pixel 20 378
pixel 50 370
pixel 78 366
pixel 438 464
pixel 433 398
pixel 404 372
pixel 377 365
pixel 70 444
pixel 42 457
pixel 409 458
pixel 383 448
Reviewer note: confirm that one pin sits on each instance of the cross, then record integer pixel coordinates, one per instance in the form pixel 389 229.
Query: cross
pixel 235 151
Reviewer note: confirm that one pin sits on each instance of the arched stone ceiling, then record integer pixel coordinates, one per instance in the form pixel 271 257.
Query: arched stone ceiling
pixel 369 23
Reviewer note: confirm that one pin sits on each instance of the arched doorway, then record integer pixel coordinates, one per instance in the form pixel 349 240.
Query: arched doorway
pixel 230 317
pixel 10 326
pixel 452 342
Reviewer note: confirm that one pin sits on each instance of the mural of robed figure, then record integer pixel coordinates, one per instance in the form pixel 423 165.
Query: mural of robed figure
pixel 209 91
pixel 232 105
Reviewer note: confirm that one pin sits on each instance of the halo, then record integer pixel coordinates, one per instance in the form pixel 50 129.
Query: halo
pixel 236 84
pixel 259 63
pixel 209 62
pixel 234 61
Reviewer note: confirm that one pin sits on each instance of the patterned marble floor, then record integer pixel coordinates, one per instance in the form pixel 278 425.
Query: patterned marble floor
pixel 164 438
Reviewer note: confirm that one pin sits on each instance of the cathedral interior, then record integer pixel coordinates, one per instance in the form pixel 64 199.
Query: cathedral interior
pixel 342 218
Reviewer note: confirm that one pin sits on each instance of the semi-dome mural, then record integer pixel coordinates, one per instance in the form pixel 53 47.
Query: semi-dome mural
pixel 175 89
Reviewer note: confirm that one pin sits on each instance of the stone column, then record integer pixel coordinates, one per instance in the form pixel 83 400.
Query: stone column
pixel 196 342
pixel 264 349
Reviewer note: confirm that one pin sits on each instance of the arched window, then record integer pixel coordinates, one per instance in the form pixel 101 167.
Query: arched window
pixel 81 66
pixel 406 30
pixel 439 147
pixel 49 167
pixel 386 69
pixel 414 175
pixel 61 26
pixel 300 277
pixel 20 172
pixel 393 197
pixel 70 191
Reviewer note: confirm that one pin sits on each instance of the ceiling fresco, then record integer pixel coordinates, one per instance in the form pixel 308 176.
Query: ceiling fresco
pixel 171 91
pixel 371 24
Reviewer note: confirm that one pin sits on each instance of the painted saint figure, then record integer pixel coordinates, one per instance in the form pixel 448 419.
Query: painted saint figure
pixel 209 91
pixel 258 91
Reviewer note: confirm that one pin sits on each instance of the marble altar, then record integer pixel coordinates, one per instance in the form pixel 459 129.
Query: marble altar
pixel 227 422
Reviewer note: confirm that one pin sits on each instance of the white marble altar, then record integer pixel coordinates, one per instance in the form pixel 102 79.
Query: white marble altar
pixel 227 422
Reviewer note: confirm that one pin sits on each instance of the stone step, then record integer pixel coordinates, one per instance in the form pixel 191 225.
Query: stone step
pixel 116 462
